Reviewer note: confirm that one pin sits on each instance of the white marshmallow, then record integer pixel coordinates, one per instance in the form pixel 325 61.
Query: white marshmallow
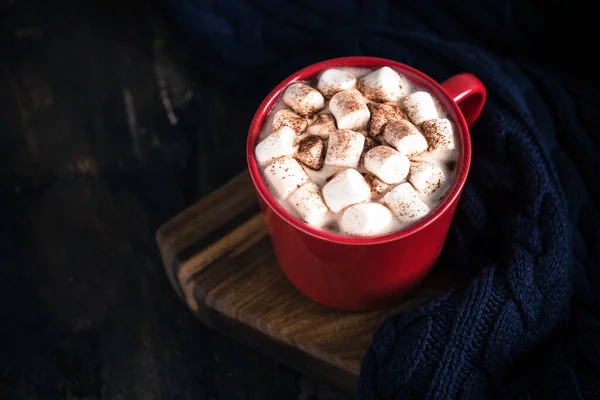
pixel 426 177
pixel 387 164
pixel 405 137
pixel 277 144
pixel 344 148
pixel 284 175
pixel 346 188
pixel 323 125
pixel 438 133
pixel 303 99
pixel 334 80
pixel 405 203
pixel 383 85
pixel 289 118
pixel 367 219
pixel 309 204
pixel 350 110
pixel 420 107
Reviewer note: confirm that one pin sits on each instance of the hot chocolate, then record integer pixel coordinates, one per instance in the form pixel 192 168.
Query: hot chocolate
pixel 357 152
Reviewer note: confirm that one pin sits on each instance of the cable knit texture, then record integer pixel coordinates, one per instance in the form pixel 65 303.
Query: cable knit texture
pixel 526 236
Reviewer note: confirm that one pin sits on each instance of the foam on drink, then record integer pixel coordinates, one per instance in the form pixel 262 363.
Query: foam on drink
pixel 338 188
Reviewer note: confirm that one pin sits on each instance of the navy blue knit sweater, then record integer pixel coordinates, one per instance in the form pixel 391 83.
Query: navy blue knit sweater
pixel 526 237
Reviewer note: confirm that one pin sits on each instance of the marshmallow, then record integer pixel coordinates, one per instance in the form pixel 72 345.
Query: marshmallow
pixel 405 137
pixel 303 99
pixel 346 188
pixel 344 148
pixel 383 114
pixel 438 133
pixel 290 119
pixel 378 187
pixel 420 107
pixel 323 125
pixel 405 203
pixel 387 164
pixel 350 110
pixel 277 144
pixel 311 152
pixel 367 219
pixel 334 80
pixel 382 85
pixel 284 175
pixel 309 204
pixel 426 177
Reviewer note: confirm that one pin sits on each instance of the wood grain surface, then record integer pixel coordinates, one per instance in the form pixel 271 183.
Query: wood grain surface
pixel 219 259
pixel 106 132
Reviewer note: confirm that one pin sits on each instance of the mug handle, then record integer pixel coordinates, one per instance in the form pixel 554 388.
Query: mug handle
pixel 469 93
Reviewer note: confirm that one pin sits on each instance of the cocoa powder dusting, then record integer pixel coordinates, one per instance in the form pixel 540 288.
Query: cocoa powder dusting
pixel 290 119
pixel 382 153
pixel 375 92
pixel 435 179
pixel 349 101
pixel 305 99
pixel 340 142
pixel 383 114
pixel 326 119
pixel 369 144
pixel 311 152
pixel 399 129
pixel 302 93
pixel 325 122
pixel 377 186
pixel 438 133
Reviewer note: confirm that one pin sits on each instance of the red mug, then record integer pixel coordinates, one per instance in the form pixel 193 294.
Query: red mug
pixel 356 274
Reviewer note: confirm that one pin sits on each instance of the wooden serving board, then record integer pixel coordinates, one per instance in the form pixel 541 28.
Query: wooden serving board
pixel 219 259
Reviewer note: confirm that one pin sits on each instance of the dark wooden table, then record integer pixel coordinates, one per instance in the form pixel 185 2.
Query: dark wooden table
pixel 106 132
